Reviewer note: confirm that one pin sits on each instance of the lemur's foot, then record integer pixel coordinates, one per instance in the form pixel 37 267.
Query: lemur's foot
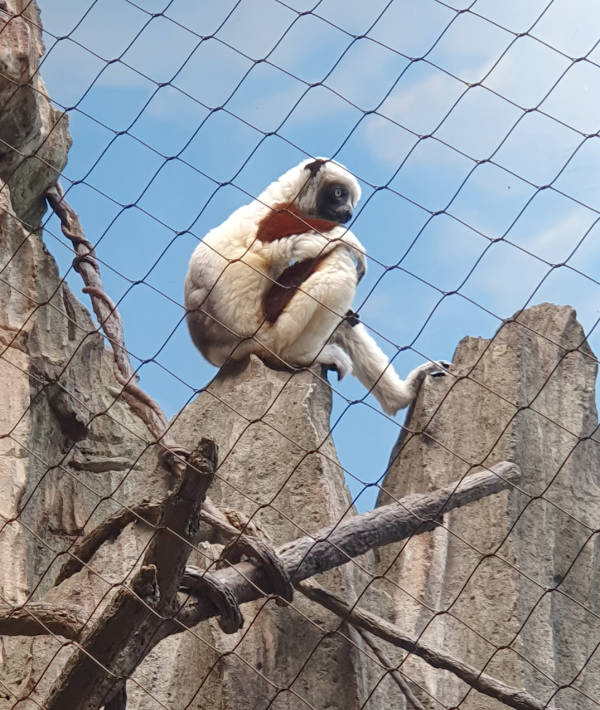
pixel 352 318
pixel 340 372
pixel 405 391
pixel 334 358
pixel 434 369
pixel 440 368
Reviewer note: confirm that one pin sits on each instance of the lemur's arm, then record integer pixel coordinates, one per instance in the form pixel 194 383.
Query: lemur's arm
pixel 313 244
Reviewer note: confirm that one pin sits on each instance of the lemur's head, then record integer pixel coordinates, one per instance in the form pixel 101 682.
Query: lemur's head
pixel 318 189
pixel 315 195
pixel 326 191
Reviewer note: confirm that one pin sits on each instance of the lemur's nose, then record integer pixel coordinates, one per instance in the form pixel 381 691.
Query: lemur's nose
pixel 344 214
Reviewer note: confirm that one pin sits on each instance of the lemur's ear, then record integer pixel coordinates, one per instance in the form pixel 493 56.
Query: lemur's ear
pixel 315 166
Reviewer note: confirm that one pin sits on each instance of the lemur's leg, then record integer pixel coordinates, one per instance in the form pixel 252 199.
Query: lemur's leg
pixel 371 366
pixel 223 309
pixel 302 330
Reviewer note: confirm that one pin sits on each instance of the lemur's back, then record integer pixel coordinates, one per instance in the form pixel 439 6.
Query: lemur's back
pixel 226 278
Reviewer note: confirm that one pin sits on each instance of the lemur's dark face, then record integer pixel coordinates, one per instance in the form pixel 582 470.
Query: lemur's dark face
pixel 334 202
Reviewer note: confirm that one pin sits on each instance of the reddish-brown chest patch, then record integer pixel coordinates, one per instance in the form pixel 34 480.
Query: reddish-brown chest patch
pixel 283 221
pixel 283 290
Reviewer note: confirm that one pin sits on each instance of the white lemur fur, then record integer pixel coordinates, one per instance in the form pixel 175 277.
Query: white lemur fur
pixel 277 278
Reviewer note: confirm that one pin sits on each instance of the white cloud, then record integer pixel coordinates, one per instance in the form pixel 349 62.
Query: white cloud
pixel 556 242
pixel 421 98
pixel 526 72
pixel 507 276
pixel 572 26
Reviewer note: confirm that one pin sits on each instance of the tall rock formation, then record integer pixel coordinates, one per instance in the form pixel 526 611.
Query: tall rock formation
pixel 278 467
pixel 67 439
pixel 507 584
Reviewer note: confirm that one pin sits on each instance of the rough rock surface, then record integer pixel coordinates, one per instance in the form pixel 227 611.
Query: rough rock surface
pixel 279 467
pixel 67 440
pixel 34 137
pixel 508 583
pixel 71 449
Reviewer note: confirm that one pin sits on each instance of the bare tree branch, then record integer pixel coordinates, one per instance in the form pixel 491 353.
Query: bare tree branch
pixel 38 618
pixel 127 629
pixel 337 544
pixel 118 700
pixel 111 527
pixel 217 529
pixel 351 538
pixel 140 616
pixel 173 541
pixel 125 625
pixel 108 529
pixel 513 697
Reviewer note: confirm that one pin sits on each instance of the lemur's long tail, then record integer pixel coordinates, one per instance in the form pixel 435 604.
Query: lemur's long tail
pixel 371 366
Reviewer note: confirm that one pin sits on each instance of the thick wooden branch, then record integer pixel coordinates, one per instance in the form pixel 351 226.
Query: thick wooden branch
pixel 127 630
pixel 127 623
pixel 337 544
pixel 134 622
pixel 512 697
pixel 215 528
pixel 108 529
pixel 390 523
pixel 173 541
pixel 119 699
pixel 140 616
pixel 38 618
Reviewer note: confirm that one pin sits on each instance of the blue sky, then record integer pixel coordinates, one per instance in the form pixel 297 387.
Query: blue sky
pixel 460 112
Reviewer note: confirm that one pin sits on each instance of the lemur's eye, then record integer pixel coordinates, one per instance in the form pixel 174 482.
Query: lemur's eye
pixel 338 192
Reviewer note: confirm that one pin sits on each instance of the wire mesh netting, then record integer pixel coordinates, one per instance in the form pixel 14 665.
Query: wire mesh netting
pixel 473 132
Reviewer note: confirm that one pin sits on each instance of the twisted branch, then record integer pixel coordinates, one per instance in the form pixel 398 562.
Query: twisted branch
pixel 335 545
pixel 108 529
pixel 38 618
pixel 129 627
pixel 133 624
pixel 217 529
pixel 108 316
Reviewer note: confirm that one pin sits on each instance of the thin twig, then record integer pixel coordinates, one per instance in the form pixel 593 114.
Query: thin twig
pixel 218 530
pixel 38 618
pixel 513 697
pixel 393 672
pixel 82 552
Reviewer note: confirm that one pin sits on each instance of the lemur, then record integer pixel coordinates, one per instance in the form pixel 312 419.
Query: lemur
pixel 278 277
